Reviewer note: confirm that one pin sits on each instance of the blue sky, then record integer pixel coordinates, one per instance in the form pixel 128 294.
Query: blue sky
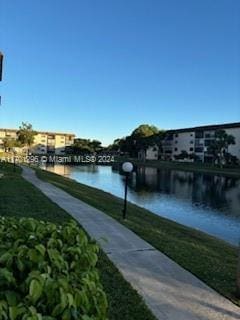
pixel 99 68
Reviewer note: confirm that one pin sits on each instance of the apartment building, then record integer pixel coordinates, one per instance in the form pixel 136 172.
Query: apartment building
pixel 193 141
pixel 44 142
pixel 196 141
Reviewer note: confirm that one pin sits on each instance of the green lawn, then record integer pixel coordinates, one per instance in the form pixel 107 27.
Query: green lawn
pixel 21 199
pixel 212 260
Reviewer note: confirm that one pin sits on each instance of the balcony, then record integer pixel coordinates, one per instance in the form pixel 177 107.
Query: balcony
pixel 209 135
pixel 199 149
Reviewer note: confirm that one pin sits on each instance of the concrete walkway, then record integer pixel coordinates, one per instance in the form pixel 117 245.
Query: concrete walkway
pixel 171 292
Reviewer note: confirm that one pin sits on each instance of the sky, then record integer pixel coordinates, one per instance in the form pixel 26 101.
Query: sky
pixel 100 68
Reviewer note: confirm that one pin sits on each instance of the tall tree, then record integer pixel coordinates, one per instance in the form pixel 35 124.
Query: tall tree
pixel 219 147
pixel 144 130
pixel 143 136
pixel 26 135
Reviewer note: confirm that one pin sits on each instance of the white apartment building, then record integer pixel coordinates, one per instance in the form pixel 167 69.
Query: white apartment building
pixel 196 141
pixel 193 141
pixel 44 142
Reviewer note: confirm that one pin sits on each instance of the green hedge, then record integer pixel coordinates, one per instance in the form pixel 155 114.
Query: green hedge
pixel 48 272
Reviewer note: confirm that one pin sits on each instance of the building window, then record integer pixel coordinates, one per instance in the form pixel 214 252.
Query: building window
pixel 191 142
pixel 176 141
pixel 190 149
pixel 191 134
pixel 175 149
pixel 176 135
pixel 210 135
pixel 199 134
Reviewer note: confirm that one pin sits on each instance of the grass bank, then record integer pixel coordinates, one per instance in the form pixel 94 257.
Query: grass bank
pixel 212 260
pixel 185 166
pixel 21 199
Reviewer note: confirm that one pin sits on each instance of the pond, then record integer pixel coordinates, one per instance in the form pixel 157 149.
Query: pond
pixel 210 203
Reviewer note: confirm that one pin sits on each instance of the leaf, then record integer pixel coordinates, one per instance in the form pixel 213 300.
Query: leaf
pixel 57 310
pixel 66 315
pixel 16 311
pixel 35 290
pixel 63 298
pixel 41 249
pixel 70 299
pixel 7 275
pixel 34 255
pixel 12 298
pixel 5 257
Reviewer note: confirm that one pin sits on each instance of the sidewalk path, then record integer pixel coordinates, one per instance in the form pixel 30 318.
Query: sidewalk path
pixel 171 292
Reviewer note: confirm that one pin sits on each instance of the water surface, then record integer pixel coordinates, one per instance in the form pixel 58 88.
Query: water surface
pixel 206 202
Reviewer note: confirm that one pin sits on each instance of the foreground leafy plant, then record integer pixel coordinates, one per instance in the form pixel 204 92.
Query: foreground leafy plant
pixel 48 272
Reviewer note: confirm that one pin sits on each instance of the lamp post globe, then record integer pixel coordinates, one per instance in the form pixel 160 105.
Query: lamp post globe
pixel 127 167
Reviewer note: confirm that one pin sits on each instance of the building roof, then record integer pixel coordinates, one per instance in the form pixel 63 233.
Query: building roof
pixel 41 132
pixel 207 127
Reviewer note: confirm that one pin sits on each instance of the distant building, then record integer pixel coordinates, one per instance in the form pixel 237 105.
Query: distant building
pixel 195 141
pixel 44 142
pixel 191 142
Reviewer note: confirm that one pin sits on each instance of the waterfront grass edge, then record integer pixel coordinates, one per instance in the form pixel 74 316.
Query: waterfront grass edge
pixel 184 166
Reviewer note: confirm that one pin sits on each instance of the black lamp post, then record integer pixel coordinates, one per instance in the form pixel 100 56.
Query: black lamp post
pixel 14 159
pixel 127 168
pixel 1 68
pixel 1 65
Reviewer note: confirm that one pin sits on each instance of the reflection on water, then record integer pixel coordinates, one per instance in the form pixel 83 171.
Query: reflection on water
pixel 206 202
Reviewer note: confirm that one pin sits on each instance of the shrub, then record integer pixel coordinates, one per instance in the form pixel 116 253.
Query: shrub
pixel 48 272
